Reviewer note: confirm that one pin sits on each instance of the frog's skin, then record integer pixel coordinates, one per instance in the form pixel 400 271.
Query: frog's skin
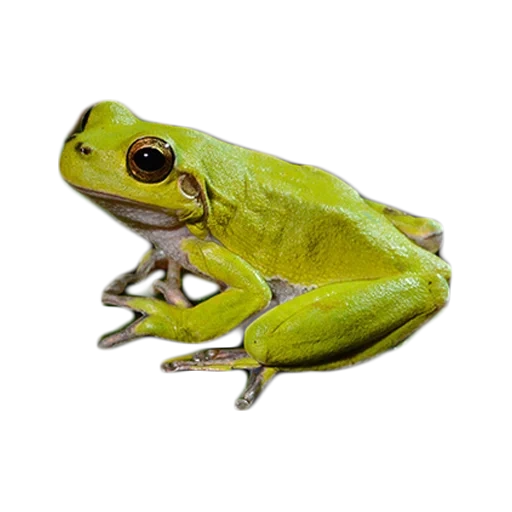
pixel 321 277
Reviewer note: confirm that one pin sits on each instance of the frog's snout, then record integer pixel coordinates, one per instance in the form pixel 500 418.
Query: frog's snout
pixel 80 125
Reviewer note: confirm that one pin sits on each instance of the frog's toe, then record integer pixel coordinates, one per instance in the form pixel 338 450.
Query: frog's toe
pixel 119 285
pixel 113 299
pixel 118 339
pixel 182 366
pixel 257 380
pixel 241 405
pixel 127 302
pixel 116 287
pixel 174 366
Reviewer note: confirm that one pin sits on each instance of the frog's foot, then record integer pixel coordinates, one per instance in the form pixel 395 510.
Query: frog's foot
pixel 170 286
pixel 256 383
pixel 215 359
pixel 122 335
pixel 151 318
pixel 129 331
pixel 224 359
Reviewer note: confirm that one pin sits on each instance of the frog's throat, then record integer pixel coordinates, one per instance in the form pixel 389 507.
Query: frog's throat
pixel 136 215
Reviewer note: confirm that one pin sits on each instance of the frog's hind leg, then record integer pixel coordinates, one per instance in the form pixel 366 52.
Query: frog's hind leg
pixel 224 359
pixel 344 323
pixel 425 232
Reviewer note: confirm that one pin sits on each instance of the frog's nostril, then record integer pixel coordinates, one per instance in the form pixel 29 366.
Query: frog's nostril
pixel 83 149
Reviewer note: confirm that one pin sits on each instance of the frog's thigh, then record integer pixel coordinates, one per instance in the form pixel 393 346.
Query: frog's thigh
pixel 341 321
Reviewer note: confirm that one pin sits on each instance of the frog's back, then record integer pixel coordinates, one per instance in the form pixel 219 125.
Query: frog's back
pixel 301 223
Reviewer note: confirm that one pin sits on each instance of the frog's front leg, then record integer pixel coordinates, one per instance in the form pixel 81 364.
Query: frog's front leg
pixel 247 293
pixel 169 287
pixel 344 323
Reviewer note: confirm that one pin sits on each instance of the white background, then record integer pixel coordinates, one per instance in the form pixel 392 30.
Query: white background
pixel 411 103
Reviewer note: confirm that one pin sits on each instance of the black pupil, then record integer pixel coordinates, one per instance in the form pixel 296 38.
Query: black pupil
pixel 149 159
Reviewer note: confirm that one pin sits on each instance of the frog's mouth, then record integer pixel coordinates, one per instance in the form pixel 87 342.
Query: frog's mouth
pixel 136 215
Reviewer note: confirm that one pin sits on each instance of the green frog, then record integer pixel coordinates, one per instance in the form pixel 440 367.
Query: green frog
pixel 320 277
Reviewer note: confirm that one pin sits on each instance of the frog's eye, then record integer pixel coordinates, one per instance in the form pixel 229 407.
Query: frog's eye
pixel 150 159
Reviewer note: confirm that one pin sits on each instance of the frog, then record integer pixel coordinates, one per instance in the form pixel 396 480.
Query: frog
pixel 317 276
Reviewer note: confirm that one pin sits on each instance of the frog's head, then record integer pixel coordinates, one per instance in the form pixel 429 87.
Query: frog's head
pixel 134 169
